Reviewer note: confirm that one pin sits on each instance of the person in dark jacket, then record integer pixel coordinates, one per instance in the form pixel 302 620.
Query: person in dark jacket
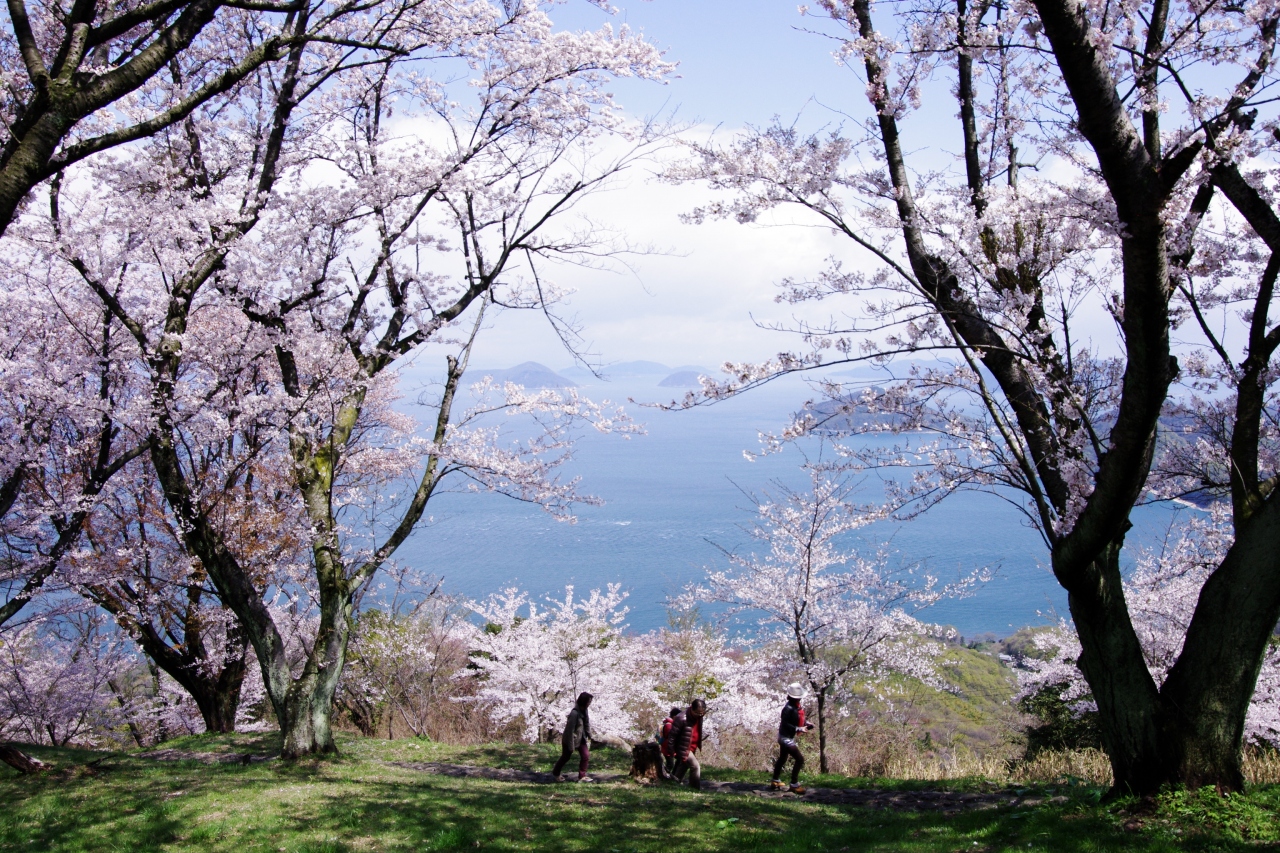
pixel 792 725
pixel 686 736
pixel 576 738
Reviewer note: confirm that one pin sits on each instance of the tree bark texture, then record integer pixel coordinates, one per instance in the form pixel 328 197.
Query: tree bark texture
pixel 63 95
pixel 20 761
pixel 1190 729
pixel 822 732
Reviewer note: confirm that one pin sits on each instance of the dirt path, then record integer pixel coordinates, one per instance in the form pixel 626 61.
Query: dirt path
pixel 205 757
pixel 948 802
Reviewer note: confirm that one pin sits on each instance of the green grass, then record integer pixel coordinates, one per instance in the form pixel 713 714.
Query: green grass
pixel 360 802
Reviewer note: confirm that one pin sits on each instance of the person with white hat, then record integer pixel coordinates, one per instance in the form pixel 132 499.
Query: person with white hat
pixel 793 724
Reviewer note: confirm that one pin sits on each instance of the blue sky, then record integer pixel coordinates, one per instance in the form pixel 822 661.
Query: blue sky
pixel 704 294
pixel 741 61
pixel 701 297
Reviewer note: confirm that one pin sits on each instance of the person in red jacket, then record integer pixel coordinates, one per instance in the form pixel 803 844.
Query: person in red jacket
pixel 665 743
pixel 792 725
pixel 686 735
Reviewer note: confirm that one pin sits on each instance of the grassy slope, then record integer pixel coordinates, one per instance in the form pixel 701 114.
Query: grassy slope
pixel 975 713
pixel 359 802
pixel 984 693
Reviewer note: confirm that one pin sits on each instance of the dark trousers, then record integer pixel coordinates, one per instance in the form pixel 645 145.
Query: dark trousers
pixel 566 751
pixel 785 751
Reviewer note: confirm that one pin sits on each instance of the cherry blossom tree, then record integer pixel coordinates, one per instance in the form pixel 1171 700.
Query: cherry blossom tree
pixel 269 274
pixel 70 400
pixel 1148 128
pixel 834 613
pixel 57 685
pixel 64 433
pixel 1162 592
pixel 533 662
pixel 700 663
pixel 138 570
pixel 97 75
pixel 402 666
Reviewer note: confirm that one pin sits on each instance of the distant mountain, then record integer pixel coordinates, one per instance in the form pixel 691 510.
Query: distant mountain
pixel 579 373
pixel 636 368
pixel 530 375
pixel 834 416
pixel 621 370
pixel 684 378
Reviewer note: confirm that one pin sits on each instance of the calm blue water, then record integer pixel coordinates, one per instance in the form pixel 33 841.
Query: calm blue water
pixel 671 493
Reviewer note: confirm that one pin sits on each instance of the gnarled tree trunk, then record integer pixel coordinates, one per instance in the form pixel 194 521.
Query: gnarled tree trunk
pixel 20 761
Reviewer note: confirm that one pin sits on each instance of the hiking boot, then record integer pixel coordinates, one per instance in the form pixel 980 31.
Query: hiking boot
pixel 775 785
pixel 560 778
pixel 796 789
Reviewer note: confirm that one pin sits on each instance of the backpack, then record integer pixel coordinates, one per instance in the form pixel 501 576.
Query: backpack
pixel 664 737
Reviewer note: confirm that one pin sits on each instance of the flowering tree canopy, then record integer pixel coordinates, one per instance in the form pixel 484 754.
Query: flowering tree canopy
pixel 270 261
pixel 1115 162
pixel 833 612
pixel 536 660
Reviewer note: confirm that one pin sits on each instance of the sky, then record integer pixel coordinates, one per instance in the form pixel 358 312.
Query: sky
pixel 699 298
pixel 705 293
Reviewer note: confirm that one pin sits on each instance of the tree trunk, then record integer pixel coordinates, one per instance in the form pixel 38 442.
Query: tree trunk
pixel 217 697
pixel 1208 690
pixel 306 712
pixel 20 761
pixel 1112 662
pixel 306 726
pixel 822 731
pixel 1191 730
pixel 363 715
pixel 220 700
pixel 134 732
pixel 29 163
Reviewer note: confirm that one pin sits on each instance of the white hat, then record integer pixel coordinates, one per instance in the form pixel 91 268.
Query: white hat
pixel 795 690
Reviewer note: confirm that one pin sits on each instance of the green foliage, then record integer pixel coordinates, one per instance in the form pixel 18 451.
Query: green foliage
pixel 973 712
pixel 1060 727
pixel 684 619
pixel 1240 817
pixel 1022 644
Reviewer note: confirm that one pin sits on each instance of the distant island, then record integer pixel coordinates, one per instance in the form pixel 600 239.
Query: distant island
pixel 532 374
pixel 684 379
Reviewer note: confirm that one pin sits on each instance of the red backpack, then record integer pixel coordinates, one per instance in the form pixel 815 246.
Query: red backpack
pixel 664 742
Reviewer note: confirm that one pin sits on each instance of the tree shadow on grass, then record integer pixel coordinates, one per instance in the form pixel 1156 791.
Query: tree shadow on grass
pixel 431 815
pixel 58 816
pixel 532 756
pixel 268 743
pixel 327 807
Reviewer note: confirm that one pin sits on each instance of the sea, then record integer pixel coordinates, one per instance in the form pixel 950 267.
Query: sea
pixel 680 495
